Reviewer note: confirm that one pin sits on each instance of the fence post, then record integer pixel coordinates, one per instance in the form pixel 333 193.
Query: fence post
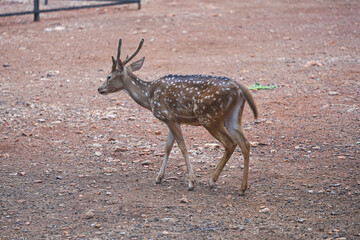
pixel 36 11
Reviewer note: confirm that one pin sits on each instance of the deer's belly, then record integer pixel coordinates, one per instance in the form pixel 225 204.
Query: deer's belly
pixel 180 115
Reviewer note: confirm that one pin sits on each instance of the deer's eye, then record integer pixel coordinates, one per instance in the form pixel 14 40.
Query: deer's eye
pixel 108 78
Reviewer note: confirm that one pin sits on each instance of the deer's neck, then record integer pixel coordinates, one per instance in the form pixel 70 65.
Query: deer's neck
pixel 138 90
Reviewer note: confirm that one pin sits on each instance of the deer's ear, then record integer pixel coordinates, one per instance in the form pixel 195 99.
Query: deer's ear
pixel 135 66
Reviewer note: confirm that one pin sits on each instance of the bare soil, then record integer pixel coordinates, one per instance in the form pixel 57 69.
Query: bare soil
pixel 78 165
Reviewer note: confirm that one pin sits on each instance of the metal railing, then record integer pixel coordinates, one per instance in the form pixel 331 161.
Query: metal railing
pixel 37 9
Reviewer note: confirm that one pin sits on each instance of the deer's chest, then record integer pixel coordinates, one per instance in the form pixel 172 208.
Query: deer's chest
pixel 168 105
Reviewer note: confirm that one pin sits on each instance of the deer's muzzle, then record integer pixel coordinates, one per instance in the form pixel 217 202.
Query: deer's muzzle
pixel 102 91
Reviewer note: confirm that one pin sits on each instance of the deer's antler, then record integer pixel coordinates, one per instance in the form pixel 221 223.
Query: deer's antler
pixel 128 59
pixel 119 49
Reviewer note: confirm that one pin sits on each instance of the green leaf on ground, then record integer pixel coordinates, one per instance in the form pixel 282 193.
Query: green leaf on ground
pixel 258 86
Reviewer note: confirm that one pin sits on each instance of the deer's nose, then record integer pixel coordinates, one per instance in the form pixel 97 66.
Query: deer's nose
pixel 101 91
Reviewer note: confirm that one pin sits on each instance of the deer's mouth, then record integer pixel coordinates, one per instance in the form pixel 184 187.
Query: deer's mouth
pixel 102 92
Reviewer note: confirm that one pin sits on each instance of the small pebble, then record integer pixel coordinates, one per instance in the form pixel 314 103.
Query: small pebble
pixel 333 93
pixel 212 145
pixel 147 162
pixel 264 210
pixel 89 214
pixel 300 220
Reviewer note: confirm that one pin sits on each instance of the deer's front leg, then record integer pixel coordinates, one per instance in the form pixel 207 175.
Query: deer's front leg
pixel 168 146
pixel 176 131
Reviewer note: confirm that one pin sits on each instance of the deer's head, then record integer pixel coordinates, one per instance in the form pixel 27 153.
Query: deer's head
pixel 120 73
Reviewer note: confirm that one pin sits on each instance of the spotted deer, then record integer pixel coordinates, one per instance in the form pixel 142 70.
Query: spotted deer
pixel 216 103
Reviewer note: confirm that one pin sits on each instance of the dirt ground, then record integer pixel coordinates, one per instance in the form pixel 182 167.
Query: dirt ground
pixel 78 165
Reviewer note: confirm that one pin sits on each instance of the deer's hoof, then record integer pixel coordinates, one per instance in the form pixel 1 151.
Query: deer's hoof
pixel 242 191
pixel 158 180
pixel 191 185
pixel 212 183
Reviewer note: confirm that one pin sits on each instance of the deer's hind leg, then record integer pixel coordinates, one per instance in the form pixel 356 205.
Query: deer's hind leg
pixel 244 144
pixel 221 134
pixel 234 126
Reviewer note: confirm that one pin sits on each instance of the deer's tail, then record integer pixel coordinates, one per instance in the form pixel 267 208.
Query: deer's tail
pixel 249 98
